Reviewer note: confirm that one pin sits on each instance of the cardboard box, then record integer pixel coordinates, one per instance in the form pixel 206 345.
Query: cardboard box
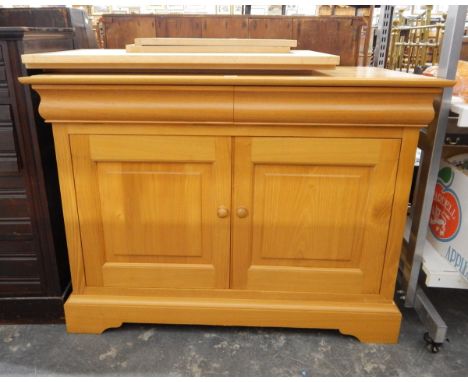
pixel 344 10
pixel 448 223
pixel 325 10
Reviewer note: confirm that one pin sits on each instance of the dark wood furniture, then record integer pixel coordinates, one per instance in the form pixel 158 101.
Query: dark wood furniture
pixel 52 17
pixel 34 274
pixel 346 36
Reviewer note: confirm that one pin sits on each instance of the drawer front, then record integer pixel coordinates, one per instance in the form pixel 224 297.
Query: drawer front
pixel 5 114
pixel 8 155
pixel 12 183
pixel 14 206
pixel 20 286
pixel 17 248
pixel 4 92
pixel 18 267
pixel 312 214
pixel 15 229
pixel 7 140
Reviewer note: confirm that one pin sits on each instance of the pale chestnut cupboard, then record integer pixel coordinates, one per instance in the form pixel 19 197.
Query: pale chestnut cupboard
pixel 306 214
pixel 236 200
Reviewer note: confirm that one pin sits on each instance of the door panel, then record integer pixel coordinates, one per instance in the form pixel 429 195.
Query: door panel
pixel 318 213
pixel 148 210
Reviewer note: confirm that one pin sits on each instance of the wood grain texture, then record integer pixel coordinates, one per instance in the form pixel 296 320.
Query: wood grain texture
pixel 399 211
pixel 369 322
pixel 69 205
pixel 233 130
pixel 335 35
pixel 148 211
pixel 272 27
pixel 340 77
pixel 175 26
pixel 133 48
pixel 240 104
pixel 123 30
pixel 318 218
pixel 215 42
pixel 338 35
pixel 322 171
pixel 296 105
pixel 119 59
pixel 225 27
pixel 146 103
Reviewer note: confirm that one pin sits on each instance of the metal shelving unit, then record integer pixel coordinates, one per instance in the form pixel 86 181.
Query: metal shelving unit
pixel 431 141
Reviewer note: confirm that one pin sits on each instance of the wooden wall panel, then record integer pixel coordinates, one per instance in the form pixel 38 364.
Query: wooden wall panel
pixel 339 35
pixel 225 27
pixel 178 26
pixel 271 27
pixel 123 30
pixel 335 35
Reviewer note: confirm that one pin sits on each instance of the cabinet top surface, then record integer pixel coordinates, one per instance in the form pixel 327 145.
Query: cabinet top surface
pixel 341 76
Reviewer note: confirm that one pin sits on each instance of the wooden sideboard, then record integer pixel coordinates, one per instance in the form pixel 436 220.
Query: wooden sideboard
pixel 262 200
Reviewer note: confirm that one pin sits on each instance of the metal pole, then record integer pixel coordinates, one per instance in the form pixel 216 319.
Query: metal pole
pixel 383 36
pixel 427 178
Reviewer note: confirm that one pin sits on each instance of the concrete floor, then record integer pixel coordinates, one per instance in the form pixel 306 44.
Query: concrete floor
pixel 164 350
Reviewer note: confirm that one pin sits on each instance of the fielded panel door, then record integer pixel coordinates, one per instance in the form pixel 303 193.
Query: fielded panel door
pixel 312 214
pixel 154 210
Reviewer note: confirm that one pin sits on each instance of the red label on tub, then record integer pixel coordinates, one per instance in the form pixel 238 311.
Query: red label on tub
pixel 445 215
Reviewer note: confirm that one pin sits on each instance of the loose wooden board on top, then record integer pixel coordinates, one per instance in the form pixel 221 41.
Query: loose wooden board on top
pixel 133 48
pixel 157 41
pixel 119 59
pixel 210 45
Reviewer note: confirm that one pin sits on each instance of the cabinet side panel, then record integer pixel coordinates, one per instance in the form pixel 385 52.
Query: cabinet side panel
pixel 70 212
pixel 399 211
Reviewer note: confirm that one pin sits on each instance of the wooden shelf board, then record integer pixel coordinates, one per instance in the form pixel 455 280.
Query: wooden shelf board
pixel 215 41
pixel 119 59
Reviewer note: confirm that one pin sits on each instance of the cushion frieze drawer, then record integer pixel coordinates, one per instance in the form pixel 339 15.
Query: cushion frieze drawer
pixel 331 105
pixel 149 103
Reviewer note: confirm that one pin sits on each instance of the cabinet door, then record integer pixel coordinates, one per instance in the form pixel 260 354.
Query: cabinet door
pixel 312 214
pixel 153 210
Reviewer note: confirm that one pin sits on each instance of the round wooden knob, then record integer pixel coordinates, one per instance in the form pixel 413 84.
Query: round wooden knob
pixel 222 212
pixel 242 212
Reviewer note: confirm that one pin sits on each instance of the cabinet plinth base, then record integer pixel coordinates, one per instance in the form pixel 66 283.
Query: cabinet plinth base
pixel 369 322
